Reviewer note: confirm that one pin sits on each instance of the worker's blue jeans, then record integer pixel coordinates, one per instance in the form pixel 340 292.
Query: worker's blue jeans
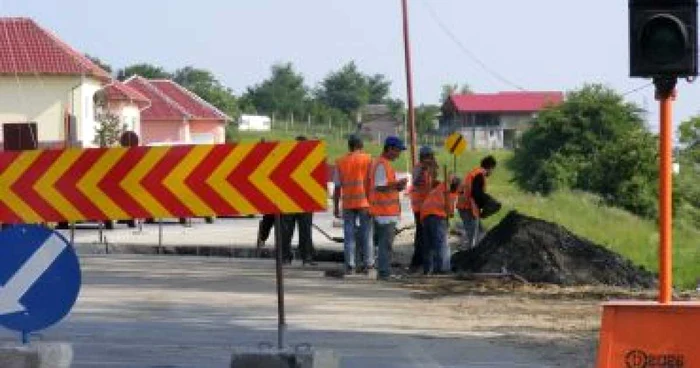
pixel 384 237
pixel 472 228
pixel 352 233
pixel 436 257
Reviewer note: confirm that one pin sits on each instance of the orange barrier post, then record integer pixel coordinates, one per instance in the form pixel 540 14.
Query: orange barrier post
pixel 637 334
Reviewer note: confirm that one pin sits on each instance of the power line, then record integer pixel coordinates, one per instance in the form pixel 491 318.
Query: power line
pixel 466 51
pixel 638 89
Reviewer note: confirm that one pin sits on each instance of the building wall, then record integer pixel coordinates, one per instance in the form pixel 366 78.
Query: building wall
pixel 44 100
pixel 85 111
pixel 129 114
pixel 207 131
pixel 162 131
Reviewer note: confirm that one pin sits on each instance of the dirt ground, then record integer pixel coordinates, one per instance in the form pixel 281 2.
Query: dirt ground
pixel 560 324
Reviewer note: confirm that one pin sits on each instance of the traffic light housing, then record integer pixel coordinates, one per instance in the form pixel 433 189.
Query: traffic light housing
pixel 663 38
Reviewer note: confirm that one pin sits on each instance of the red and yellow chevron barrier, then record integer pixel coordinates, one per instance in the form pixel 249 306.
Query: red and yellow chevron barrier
pixel 155 182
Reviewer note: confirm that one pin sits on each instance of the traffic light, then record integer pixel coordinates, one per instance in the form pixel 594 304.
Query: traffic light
pixel 663 38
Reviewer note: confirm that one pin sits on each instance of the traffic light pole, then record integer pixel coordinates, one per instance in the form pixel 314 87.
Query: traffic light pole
pixel 665 93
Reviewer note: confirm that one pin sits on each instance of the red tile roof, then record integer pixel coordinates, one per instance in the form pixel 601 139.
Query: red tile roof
pixel 193 104
pixel 170 101
pixel 26 48
pixel 118 91
pixel 505 101
pixel 162 107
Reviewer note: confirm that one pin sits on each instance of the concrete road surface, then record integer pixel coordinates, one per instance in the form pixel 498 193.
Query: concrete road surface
pixel 172 311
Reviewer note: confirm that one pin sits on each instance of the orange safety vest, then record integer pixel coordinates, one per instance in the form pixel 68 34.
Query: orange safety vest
pixel 418 193
pixel 434 203
pixel 352 171
pixel 382 203
pixel 465 200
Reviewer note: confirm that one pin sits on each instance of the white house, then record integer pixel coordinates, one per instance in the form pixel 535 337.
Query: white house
pixel 254 122
pixel 47 88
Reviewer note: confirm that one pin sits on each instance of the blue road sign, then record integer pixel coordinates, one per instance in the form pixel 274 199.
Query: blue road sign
pixel 40 277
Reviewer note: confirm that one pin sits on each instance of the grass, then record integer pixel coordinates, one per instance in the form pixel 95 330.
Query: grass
pixel 580 212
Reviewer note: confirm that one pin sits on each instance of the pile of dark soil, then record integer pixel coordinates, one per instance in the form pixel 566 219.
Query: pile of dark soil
pixel 540 251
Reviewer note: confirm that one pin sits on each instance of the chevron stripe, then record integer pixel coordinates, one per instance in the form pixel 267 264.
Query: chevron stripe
pixel 89 184
pixel 9 177
pixel 67 185
pixel 219 182
pixel 6 213
pixel 132 183
pixel 175 182
pixel 47 188
pixel 303 175
pixel 154 181
pixel 282 175
pixel 261 178
pixel 111 183
pixel 24 186
pixel 198 180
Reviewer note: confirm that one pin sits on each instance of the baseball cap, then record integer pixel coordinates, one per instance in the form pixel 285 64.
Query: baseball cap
pixel 426 150
pixel 396 142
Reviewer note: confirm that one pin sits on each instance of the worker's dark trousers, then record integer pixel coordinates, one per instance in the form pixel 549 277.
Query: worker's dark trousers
pixel 418 243
pixel 266 224
pixel 306 246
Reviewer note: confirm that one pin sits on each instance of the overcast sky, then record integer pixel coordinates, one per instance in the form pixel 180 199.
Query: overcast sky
pixel 534 45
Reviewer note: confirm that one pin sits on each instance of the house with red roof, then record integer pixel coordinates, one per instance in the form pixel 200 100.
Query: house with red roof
pixel 126 103
pixel 47 88
pixel 494 120
pixel 176 115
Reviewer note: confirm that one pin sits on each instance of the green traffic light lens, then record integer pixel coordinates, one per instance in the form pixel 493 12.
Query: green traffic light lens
pixel 663 40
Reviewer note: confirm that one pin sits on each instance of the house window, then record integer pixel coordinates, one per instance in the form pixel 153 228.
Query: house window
pixel 20 136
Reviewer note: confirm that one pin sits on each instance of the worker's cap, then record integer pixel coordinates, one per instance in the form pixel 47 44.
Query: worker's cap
pixel 354 140
pixel 426 151
pixel 396 142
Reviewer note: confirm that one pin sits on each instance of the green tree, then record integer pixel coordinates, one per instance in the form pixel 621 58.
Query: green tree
pixel 106 67
pixel 206 86
pixel 109 129
pixel 594 141
pixel 145 70
pixel 346 90
pixel 378 87
pixel 283 92
pixel 426 117
pixel 689 132
pixel 450 89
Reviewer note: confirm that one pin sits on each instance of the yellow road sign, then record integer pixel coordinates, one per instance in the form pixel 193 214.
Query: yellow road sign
pixel 455 144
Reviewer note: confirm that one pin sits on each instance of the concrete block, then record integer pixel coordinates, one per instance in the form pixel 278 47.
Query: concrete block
pixel 285 358
pixel 36 355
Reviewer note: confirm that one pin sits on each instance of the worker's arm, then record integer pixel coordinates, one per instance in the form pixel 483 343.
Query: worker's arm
pixel 478 193
pixel 381 184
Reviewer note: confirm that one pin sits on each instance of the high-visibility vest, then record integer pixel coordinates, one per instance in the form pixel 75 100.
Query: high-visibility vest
pixel 419 192
pixel 465 200
pixel 352 171
pixel 382 203
pixel 434 203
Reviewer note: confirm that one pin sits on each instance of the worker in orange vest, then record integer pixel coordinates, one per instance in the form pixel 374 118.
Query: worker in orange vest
pixel 349 179
pixel 384 202
pixel 435 212
pixel 473 199
pixel 422 183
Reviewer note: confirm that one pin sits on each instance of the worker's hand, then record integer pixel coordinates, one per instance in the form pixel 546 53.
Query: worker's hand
pixel 401 184
pixel 336 212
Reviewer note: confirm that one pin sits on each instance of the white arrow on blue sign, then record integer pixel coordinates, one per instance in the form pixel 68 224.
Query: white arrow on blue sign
pixel 40 277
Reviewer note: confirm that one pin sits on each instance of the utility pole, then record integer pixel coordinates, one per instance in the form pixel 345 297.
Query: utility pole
pixel 409 85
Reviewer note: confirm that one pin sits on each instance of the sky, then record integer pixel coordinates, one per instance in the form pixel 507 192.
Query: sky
pixel 495 45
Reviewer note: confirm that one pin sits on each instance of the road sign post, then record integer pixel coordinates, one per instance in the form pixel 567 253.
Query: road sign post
pixel 40 274
pixel 455 145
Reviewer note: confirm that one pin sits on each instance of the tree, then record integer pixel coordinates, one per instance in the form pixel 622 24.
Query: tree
pixel 283 92
pixel 378 87
pixel 450 89
pixel 145 70
pixel 425 117
pixel 203 83
pixel 596 142
pixel 109 129
pixel 689 132
pixel 106 67
pixel 346 90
